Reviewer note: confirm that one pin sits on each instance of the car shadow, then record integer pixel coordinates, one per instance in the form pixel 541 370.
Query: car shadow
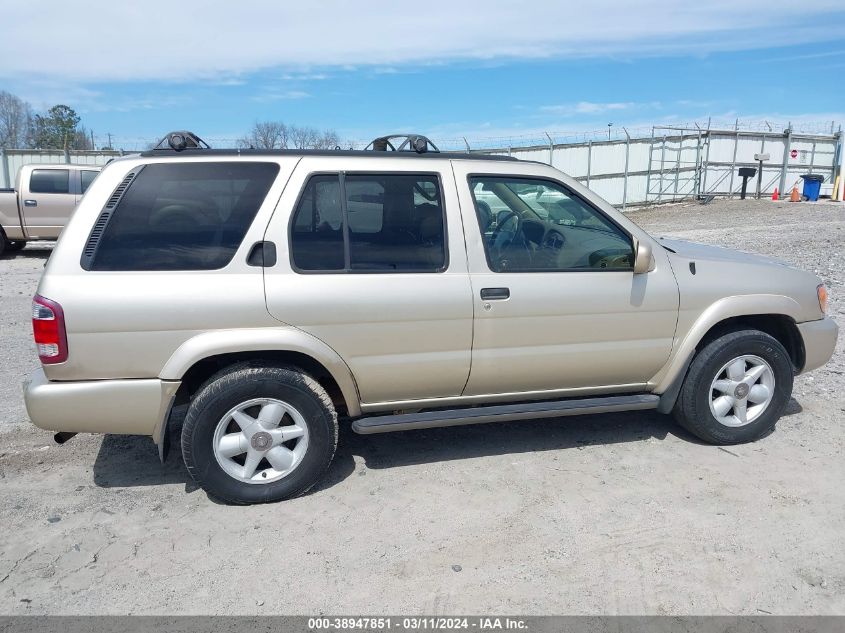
pixel 132 460
pixel 30 252
pixel 128 460
pixel 391 450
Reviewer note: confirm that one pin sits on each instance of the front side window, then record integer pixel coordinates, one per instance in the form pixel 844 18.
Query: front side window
pixel 183 216
pixel 50 181
pixel 538 225
pixel 369 223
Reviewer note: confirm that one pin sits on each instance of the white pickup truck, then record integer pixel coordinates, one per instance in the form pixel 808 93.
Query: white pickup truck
pixel 41 202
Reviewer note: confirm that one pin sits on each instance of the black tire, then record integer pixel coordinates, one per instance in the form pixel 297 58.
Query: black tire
pixel 3 243
pixel 15 246
pixel 692 409
pixel 237 385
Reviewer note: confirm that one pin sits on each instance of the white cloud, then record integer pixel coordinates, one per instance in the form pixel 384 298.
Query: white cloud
pixel 586 107
pixel 104 40
pixel 304 77
pixel 271 94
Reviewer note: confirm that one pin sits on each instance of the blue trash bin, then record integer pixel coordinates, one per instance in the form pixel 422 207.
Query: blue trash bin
pixel 812 186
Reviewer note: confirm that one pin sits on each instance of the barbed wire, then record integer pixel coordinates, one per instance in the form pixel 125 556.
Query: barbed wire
pixel 618 133
pixel 534 138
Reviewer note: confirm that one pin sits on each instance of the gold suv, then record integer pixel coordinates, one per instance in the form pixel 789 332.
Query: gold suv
pixel 273 293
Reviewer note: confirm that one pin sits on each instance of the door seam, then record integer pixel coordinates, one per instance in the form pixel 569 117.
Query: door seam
pixel 469 277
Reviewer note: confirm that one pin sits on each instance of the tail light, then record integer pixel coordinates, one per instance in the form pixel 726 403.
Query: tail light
pixel 48 328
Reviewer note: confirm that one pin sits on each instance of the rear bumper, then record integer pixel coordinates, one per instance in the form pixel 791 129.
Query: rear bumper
pixel 131 407
pixel 819 342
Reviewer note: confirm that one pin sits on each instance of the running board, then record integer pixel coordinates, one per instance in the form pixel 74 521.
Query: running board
pixel 503 413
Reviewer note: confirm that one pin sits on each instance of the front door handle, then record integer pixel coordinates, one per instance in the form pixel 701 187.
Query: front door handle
pixel 494 294
pixel 30 203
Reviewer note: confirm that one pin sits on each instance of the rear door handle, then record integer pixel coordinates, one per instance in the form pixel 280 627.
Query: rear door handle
pixel 30 203
pixel 494 294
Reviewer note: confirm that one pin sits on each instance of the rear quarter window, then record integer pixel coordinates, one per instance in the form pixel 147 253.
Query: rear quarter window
pixel 183 216
pixel 86 177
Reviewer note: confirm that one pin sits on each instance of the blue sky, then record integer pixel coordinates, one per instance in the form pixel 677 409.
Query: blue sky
pixel 486 71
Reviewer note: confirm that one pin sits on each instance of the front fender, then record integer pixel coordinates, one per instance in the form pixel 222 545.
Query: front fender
pixel 287 339
pixel 725 308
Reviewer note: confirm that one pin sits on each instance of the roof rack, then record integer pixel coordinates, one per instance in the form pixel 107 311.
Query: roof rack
pixel 409 142
pixel 408 146
pixel 181 140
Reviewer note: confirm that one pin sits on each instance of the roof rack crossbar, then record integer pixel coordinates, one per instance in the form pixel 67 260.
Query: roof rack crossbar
pixel 403 143
pixel 181 140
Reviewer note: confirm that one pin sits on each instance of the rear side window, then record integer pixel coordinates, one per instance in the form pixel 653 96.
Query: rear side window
pixel 50 181
pixel 183 216
pixel 86 178
pixel 370 223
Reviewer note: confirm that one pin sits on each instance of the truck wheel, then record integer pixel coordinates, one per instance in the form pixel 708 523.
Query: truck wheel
pixel 736 388
pixel 256 434
pixel 3 243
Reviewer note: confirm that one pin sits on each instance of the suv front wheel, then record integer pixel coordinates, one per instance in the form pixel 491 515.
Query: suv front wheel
pixel 257 434
pixel 736 389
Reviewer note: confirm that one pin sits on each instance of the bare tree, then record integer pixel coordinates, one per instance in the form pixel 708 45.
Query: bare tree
pixel 328 140
pixel 82 139
pixel 304 137
pixel 266 135
pixel 15 121
pixel 278 135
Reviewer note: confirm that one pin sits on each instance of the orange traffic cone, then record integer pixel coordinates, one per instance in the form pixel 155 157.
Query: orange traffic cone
pixel 794 197
pixel 775 194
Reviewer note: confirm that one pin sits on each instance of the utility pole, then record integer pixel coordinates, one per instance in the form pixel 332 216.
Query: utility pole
pixel 609 125
pixel 93 144
pixel 109 135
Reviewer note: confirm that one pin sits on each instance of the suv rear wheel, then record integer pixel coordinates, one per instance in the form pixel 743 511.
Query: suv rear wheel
pixel 258 434
pixel 736 389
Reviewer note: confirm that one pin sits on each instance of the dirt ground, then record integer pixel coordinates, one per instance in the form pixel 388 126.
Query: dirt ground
pixel 614 514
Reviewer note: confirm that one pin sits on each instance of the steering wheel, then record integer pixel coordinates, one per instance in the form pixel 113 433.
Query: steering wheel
pixel 508 228
pixel 501 238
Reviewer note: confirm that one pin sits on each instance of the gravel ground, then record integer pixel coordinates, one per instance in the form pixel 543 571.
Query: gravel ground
pixel 616 514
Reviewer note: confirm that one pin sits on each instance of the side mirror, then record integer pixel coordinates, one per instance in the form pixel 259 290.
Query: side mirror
pixel 643 257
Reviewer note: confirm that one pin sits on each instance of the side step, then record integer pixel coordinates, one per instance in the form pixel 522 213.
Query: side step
pixel 503 413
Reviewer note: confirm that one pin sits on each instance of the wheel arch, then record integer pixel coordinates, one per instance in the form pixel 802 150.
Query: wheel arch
pixel 202 356
pixel 773 314
pixel 781 327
